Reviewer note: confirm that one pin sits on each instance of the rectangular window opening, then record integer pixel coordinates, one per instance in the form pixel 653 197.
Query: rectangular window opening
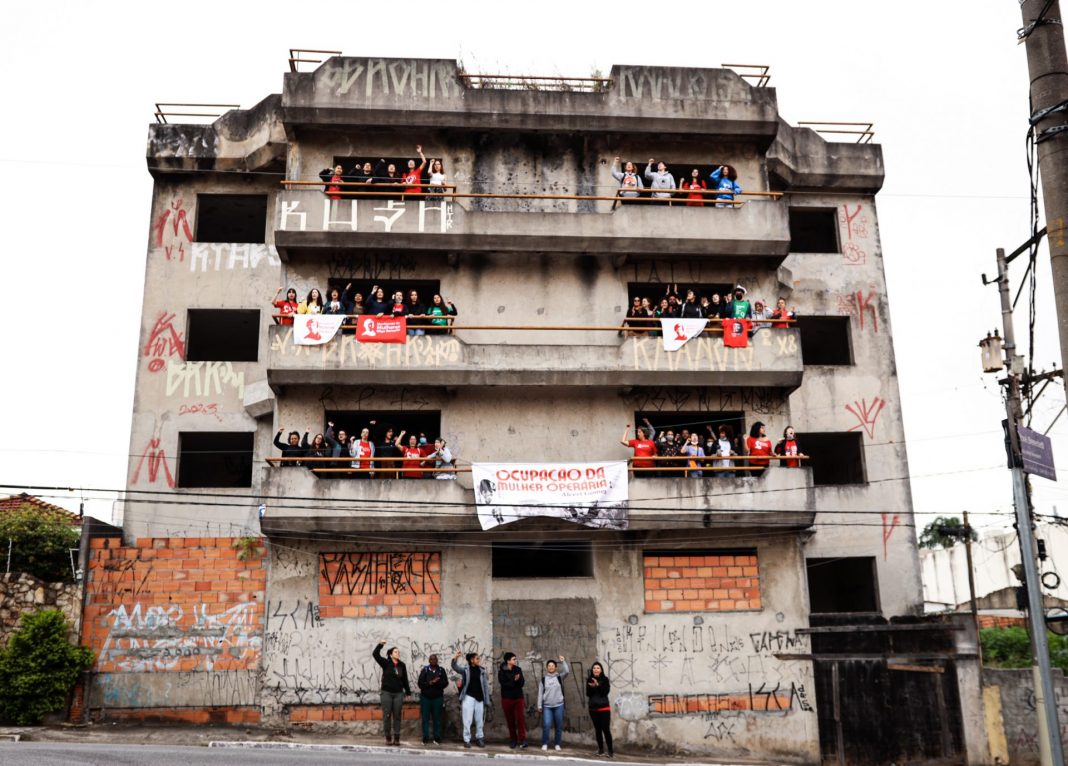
pixel 543 559
pixel 836 458
pixel 232 218
pixel 222 335
pixel 215 459
pixel 814 230
pixel 825 340
pixel 838 585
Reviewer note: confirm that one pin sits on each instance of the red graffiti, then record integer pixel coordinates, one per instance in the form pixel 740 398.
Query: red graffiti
pixel 854 255
pixel 179 230
pixel 854 225
pixel 156 458
pixel 206 408
pixel 164 341
pixel 866 414
pixel 888 529
pixel 858 304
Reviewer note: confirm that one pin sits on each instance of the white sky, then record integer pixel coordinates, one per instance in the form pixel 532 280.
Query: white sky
pixel 944 82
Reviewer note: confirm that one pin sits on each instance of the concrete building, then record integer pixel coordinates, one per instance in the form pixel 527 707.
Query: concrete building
pixel 721 609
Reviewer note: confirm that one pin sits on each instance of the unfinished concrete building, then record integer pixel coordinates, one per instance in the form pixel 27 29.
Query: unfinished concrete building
pixel 746 615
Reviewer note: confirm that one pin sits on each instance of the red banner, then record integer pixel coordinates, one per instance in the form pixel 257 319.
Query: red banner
pixel 372 329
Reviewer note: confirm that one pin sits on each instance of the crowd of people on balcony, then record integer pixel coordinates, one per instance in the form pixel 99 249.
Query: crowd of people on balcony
pixel 692 191
pixel 645 313
pixel 376 453
pixel 384 180
pixel 434 318
pixel 691 454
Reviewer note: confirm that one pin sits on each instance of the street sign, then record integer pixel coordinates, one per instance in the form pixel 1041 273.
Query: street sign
pixel 1037 452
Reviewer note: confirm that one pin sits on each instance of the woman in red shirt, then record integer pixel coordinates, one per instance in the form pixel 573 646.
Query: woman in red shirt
pixel 695 185
pixel 413 456
pixel 788 447
pixel 781 312
pixel 758 444
pixel 286 308
pixel 644 446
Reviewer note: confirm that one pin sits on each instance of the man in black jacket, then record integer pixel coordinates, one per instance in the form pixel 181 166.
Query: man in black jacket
pixel 432 682
pixel 394 689
pixel 511 679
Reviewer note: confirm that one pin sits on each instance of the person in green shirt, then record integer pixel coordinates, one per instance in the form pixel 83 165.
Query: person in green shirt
pixel 440 310
pixel 739 308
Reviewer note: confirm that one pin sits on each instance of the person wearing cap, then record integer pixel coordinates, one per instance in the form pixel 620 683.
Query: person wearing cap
pixel 739 307
pixel 510 677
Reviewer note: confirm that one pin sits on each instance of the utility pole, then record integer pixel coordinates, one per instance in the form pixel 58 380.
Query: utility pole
pixel 1051 750
pixel 1047 66
pixel 971 571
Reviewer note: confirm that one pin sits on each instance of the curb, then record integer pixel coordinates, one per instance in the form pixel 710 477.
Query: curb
pixel 538 755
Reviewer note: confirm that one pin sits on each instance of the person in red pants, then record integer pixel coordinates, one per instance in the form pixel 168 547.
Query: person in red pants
pixel 514 703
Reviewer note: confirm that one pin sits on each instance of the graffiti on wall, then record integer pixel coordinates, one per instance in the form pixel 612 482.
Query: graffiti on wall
pixel 371 574
pixel 708 354
pixel 154 460
pixel 856 228
pixel 344 351
pixel 156 638
pixel 861 306
pixel 204 379
pixel 172 231
pixel 370 266
pixel 164 342
pixel 295 214
pixel 867 414
pixel 759 400
pixel 231 256
pixel 368 77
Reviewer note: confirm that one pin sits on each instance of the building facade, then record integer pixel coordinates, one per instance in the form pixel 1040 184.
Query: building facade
pixel 248 590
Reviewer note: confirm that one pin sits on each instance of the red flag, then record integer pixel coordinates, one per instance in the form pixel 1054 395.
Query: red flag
pixel 736 333
pixel 372 329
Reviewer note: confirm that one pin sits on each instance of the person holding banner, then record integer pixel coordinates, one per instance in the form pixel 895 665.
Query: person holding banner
pixel 644 447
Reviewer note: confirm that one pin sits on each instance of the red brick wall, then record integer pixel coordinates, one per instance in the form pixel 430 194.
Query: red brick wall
pixel 380 584
pixel 701 583
pixel 686 704
pixel 173 604
pixel 316 713
pixel 1000 621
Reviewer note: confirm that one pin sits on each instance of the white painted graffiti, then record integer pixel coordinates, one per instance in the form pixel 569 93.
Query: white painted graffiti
pixel 204 378
pixel 294 214
pixel 345 352
pixel 419 78
pixel 228 256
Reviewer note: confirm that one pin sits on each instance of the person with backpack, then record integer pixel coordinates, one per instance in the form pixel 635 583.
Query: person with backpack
pixel 514 704
pixel 432 682
pixel 474 696
pixel 551 702
pixel 597 689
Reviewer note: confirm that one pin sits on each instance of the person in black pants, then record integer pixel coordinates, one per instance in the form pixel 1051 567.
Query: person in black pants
pixel 394 689
pixel 432 683
pixel 597 689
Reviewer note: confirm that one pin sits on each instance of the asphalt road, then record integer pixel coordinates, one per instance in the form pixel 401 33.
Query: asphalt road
pixel 68 754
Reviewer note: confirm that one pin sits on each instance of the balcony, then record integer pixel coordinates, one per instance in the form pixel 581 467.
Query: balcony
pixel 308 224
pixel 781 499
pixel 538 356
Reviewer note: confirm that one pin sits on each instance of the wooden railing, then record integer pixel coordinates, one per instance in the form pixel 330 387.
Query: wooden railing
pixel 627 326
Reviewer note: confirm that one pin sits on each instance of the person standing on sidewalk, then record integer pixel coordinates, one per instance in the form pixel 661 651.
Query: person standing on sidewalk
pixel 597 689
pixel 394 689
pixel 432 682
pixel 474 696
pixel 551 702
pixel 510 677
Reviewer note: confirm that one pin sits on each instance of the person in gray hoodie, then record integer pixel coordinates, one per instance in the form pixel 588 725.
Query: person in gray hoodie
pixel 660 179
pixel 630 183
pixel 551 701
pixel 474 696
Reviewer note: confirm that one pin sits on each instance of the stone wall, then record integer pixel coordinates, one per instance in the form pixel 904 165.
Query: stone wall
pixel 23 593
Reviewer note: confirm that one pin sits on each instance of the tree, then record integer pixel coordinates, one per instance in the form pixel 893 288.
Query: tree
pixel 945 532
pixel 40 543
pixel 39 667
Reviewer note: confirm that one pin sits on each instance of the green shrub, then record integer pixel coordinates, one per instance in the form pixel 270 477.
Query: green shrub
pixel 38 668
pixel 1011 648
pixel 39 543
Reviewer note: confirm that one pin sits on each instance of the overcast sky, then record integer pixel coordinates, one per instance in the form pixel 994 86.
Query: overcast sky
pixel 945 84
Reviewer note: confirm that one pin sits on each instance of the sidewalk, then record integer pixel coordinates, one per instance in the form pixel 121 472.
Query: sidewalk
pixel 247 737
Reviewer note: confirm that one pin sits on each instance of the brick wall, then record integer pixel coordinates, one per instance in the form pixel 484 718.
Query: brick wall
pixel 711 582
pixel 687 704
pixel 173 604
pixel 378 584
pixel 317 713
pixel 1000 621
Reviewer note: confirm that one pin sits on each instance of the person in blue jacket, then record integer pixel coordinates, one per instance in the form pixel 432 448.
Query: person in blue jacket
pixel 725 182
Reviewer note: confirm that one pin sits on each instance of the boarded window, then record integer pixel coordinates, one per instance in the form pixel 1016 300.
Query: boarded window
pixel 842 584
pixel 701 580
pixel 813 230
pixel 549 558
pixel 223 335
pixel 825 340
pixel 232 218
pixel 215 459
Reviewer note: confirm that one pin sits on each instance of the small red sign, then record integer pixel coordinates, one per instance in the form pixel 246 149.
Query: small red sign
pixel 372 329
